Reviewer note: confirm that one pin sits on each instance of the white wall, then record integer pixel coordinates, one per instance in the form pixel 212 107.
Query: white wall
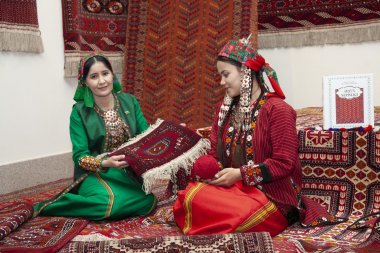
pixel 300 70
pixel 36 100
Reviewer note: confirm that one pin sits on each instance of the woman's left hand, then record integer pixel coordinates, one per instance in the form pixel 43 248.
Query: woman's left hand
pixel 116 161
pixel 227 177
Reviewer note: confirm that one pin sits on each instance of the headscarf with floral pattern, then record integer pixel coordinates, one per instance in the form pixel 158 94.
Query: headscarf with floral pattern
pixel 83 92
pixel 242 51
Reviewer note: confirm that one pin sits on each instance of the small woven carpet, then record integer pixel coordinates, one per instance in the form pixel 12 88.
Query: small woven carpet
pixel 93 26
pixel 19 31
pixel 161 151
pixel 243 243
pixel 170 54
pixel 287 23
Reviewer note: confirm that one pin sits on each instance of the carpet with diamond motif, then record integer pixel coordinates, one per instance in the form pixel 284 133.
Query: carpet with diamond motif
pixel 244 243
pixel 170 54
pixel 20 233
pixel 93 26
pixel 341 170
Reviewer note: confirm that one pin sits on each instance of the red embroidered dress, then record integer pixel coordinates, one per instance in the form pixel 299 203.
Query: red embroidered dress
pixel 268 198
pixel 207 209
pixel 275 169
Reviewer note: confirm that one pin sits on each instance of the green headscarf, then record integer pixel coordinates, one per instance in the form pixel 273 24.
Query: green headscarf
pixel 83 92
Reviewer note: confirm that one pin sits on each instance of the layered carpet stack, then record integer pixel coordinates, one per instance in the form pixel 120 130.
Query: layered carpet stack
pixel 340 171
pixel 20 233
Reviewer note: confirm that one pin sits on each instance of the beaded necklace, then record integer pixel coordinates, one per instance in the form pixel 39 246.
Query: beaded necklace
pixel 117 131
pixel 234 133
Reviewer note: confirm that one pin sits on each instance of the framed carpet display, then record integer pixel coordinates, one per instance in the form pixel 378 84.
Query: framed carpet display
pixel 348 101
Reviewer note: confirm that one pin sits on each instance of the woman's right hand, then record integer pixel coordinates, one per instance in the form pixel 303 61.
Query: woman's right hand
pixel 115 162
pixel 227 177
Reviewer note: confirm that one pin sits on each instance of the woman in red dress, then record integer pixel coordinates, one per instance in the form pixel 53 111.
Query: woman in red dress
pixel 254 139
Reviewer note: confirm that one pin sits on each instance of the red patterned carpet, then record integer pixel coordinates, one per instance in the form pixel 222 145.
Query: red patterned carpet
pixel 284 23
pixel 227 243
pixel 170 53
pixel 154 233
pixel 20 233
pixel 93 26
pixel 341 171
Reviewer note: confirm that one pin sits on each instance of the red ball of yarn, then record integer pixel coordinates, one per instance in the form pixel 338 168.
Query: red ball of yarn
pixel 205 167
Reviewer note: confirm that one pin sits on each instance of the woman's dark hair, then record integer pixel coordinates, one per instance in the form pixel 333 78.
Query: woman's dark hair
pixel 237 64
pixel 229 60
pixel 92 60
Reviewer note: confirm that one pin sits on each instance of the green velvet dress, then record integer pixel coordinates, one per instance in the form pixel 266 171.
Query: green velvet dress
pixel 101 193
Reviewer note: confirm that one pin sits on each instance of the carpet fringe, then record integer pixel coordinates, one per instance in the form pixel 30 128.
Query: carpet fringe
pixel 169 171
pixel 19 39
pixel 91 238
pixel 331 35
pixel 72 61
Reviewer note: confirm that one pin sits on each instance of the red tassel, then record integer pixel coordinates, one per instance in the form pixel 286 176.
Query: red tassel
pixel 276 88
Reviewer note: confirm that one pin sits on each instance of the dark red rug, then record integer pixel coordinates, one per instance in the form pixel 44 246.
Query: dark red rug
pixel 93 26
pixel 12 216
pixel 19 233
pixel 243 243
pixel 161 151
pixel 284 23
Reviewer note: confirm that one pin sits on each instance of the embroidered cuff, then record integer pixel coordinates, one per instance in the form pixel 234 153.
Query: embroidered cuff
pixel 91 163
pixel 255 174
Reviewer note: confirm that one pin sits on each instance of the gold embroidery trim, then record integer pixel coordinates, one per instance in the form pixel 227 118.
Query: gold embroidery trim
pixel 155 201
pixel 110 194
pixel 59 196
pixel 187 205
pixel 90 163
pixel 257 217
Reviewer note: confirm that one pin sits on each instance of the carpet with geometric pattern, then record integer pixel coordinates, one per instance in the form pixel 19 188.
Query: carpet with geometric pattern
pixel 284 23
pixel 341 170
pixel 170 54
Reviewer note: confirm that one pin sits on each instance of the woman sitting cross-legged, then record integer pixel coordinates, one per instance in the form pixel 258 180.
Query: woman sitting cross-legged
pixel 256 178
pixel 102 119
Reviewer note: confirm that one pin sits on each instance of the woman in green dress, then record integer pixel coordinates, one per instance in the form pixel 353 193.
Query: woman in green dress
pixel 102 119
